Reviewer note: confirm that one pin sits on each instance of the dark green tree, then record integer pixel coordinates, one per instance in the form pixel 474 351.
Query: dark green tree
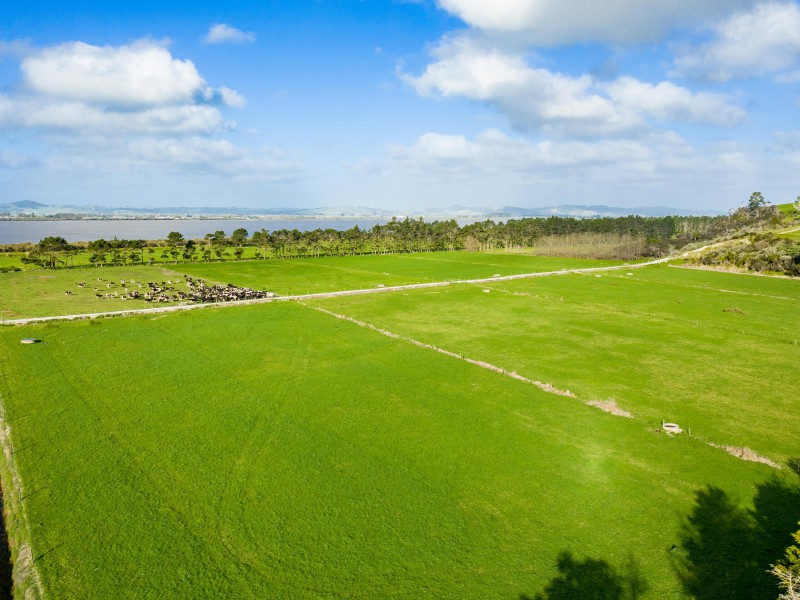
pixel 788 571
pixel 239 239
pixel 756 201
pixel 48 253
pixel 175 243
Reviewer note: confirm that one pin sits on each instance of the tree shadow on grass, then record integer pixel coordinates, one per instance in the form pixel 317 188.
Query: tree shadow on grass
pixel 726 550
pixel 592 579
pixel 5 558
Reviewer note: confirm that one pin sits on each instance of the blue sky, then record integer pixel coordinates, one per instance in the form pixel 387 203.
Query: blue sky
pixel 400 104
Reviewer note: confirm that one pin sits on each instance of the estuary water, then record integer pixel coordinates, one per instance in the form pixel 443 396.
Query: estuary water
pixel 17 232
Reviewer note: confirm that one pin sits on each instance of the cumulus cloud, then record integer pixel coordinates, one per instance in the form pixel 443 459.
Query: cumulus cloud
pixel 666 101
pixel 217 156
pixel 537 99
pixel 225 34
pixel 492 151
pixel 47 113
pixel 495 167
pixel 765 39
pixel 232 97
pixel 531 98
pixel 134 89
pixel 552 22
pixel 110 108
pixel 141 74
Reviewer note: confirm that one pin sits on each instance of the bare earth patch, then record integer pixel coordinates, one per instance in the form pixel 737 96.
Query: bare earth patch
pixel 746 454
pixel 610 406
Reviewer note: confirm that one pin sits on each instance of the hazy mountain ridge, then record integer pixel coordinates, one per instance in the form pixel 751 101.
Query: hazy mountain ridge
pixel 31 209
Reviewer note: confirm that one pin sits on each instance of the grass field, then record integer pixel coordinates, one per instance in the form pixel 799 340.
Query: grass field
pixel 42 292
pixel 276 451
pixel 329 274
pixel 715 352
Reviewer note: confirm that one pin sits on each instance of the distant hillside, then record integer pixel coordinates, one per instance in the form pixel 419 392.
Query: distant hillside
pixel 31 209
pixel 23 205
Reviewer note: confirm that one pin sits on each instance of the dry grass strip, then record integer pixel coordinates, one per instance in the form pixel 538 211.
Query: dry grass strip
pixel 610 406
pixel 746 454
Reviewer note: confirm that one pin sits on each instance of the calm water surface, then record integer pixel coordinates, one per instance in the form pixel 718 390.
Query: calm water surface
pixel 17 232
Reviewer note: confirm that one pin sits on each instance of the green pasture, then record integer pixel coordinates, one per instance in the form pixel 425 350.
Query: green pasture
pixel 791 235
pixel 715 352
pixel 12 260
pixel 274 451
pixel 330 274
pixel 43 292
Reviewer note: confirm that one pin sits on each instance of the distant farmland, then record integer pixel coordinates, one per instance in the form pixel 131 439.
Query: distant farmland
pixel 44 292
pixel 278 451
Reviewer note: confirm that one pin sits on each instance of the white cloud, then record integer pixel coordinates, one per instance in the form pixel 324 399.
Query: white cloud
pixel 550 22
pixel 130 108
pixel 134 89
pixel 217 156
pixel 666 101
pixel 232 97
pixel 49 113
pixel 225 34
pixel 495 168
pixel 531 98
pixel 763 40
pixel 141 74
pixel 494 152
pixel 536 99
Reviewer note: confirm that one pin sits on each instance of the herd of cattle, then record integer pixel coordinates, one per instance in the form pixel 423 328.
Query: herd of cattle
pixel 165 291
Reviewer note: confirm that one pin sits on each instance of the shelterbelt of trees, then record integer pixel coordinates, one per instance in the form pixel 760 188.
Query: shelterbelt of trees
pixel 623 237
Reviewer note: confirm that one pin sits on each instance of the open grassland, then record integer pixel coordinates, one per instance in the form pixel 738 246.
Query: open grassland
pixel 42 292
pixel 11 259
pixel 275 451
pixel 330 274
pixel 718 353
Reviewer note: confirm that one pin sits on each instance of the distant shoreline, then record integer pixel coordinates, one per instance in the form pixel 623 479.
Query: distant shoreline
pixel 211 218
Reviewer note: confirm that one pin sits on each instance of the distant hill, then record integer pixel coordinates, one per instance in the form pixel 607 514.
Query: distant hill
pixel 23 205
pixel 31 209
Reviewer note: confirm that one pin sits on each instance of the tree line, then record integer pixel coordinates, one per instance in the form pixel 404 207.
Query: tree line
pixel 654 236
